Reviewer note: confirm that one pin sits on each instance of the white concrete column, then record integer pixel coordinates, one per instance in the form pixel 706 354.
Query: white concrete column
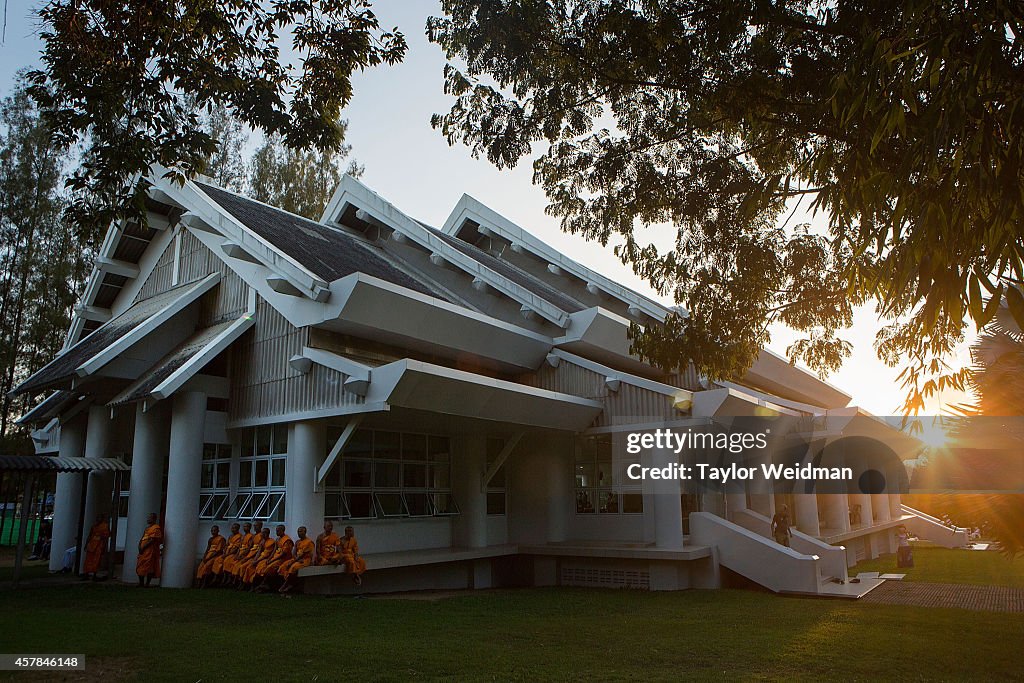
pixel 304 505
pixel 735 502
pixel 806 513
pixel 184 472
pixel 668 511
pixel 864 500
pixel 469 464
pixel 558 473
pixel 837 512
pixel 101 484
pixel 895 506
pixel 880 506
pixel 149 452
pixel 67 499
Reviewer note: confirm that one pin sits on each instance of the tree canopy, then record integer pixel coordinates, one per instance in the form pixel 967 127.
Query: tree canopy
pixel 299 181
pixel 901 121
pixel 43 260
pixel 130 80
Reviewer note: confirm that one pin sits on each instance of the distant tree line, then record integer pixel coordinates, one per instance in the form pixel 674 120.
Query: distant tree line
pixel 296 180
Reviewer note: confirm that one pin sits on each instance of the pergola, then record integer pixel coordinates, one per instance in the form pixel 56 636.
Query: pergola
pixel 28 467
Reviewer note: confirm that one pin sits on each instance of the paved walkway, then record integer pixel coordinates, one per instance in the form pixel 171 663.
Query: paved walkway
pixel 985 598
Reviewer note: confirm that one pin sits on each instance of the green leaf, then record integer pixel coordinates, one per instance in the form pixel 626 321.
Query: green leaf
pixel 1015 301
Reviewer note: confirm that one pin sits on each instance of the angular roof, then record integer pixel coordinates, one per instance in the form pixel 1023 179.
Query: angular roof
pixel 197 350
pixel 48 407
pixel 511 272
pixel 124 328
pixel 324 251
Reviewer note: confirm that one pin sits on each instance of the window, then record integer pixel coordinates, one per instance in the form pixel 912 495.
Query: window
pixel 496 492
pixel 261 475
pixel 215 481
pixel 600 483
pixel 385 475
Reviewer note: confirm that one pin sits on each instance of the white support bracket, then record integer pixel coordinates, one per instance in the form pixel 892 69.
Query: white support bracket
pixel 339 445
pixel 500 460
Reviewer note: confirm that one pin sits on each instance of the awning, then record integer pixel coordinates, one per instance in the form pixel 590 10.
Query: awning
pixel 362 305
pixel 185 361
pixel 423 386
pixel 49 463
pixel 49 407
pixel 102 346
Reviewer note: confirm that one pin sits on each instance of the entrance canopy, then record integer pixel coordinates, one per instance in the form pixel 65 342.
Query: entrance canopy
pixel 50 463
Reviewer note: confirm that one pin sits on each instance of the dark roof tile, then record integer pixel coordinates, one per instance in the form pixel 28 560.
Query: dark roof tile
pixel 326 252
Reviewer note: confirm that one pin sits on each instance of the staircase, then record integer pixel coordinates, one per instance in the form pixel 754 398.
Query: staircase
pixel 812 568
pixel 933 529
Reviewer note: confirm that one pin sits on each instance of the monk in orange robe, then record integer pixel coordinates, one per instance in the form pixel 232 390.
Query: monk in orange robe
pixel 253 554
pixel 328 546
pixel 305 553
pixel 354 564
pixel 233 565
pixel 148 565
pixel 266 549
pixel 267 570
pixel 214 549
pixel 230 551
pixel 95 547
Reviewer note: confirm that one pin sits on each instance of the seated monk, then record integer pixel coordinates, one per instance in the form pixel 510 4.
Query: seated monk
pixel 305 551
pixel 214 549
pixel 266 571
pixel 147 566
pixel 328 546
pixel 95 546
pixel 265 547
pixel 230 551
pixel 245 552
pixel 354 564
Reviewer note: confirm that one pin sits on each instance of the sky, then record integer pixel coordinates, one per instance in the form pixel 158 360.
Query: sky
pixel 411 165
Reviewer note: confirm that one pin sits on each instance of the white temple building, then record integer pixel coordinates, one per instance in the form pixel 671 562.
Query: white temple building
pixel 454 393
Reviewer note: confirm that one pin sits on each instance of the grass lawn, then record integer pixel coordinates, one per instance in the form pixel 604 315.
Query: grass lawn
pixel 942 565
pixel 530 634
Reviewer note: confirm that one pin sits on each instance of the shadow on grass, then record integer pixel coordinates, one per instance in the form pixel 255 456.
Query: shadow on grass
pixel 528 634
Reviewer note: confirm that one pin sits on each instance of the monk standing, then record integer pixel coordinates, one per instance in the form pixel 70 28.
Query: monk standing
pixel 328 546
pixel 230 551
pixel 305 552
pixel 267 570
pixel 354 564
pixel 95 547
pixel 214 549
pixel 148 564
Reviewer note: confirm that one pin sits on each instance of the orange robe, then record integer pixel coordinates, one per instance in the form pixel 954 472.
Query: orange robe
pixel 214 549
pixel 230 551
pixel 233 565
pixel 305 551
pixel 95 546
pixel 354 564
pixel 266 551
pixel 282 554
pixel 328 549
pixel 148 563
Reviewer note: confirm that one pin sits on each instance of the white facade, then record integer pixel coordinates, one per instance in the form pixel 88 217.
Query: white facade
pixel 450 393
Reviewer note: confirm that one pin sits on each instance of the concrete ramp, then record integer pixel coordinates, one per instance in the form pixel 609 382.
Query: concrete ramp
pixel 932 529
pixel 832 558
pixel 763 561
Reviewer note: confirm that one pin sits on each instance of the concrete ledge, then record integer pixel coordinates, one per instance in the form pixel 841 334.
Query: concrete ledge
pixel 866 530
pixel 570 549
pixel 411 558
